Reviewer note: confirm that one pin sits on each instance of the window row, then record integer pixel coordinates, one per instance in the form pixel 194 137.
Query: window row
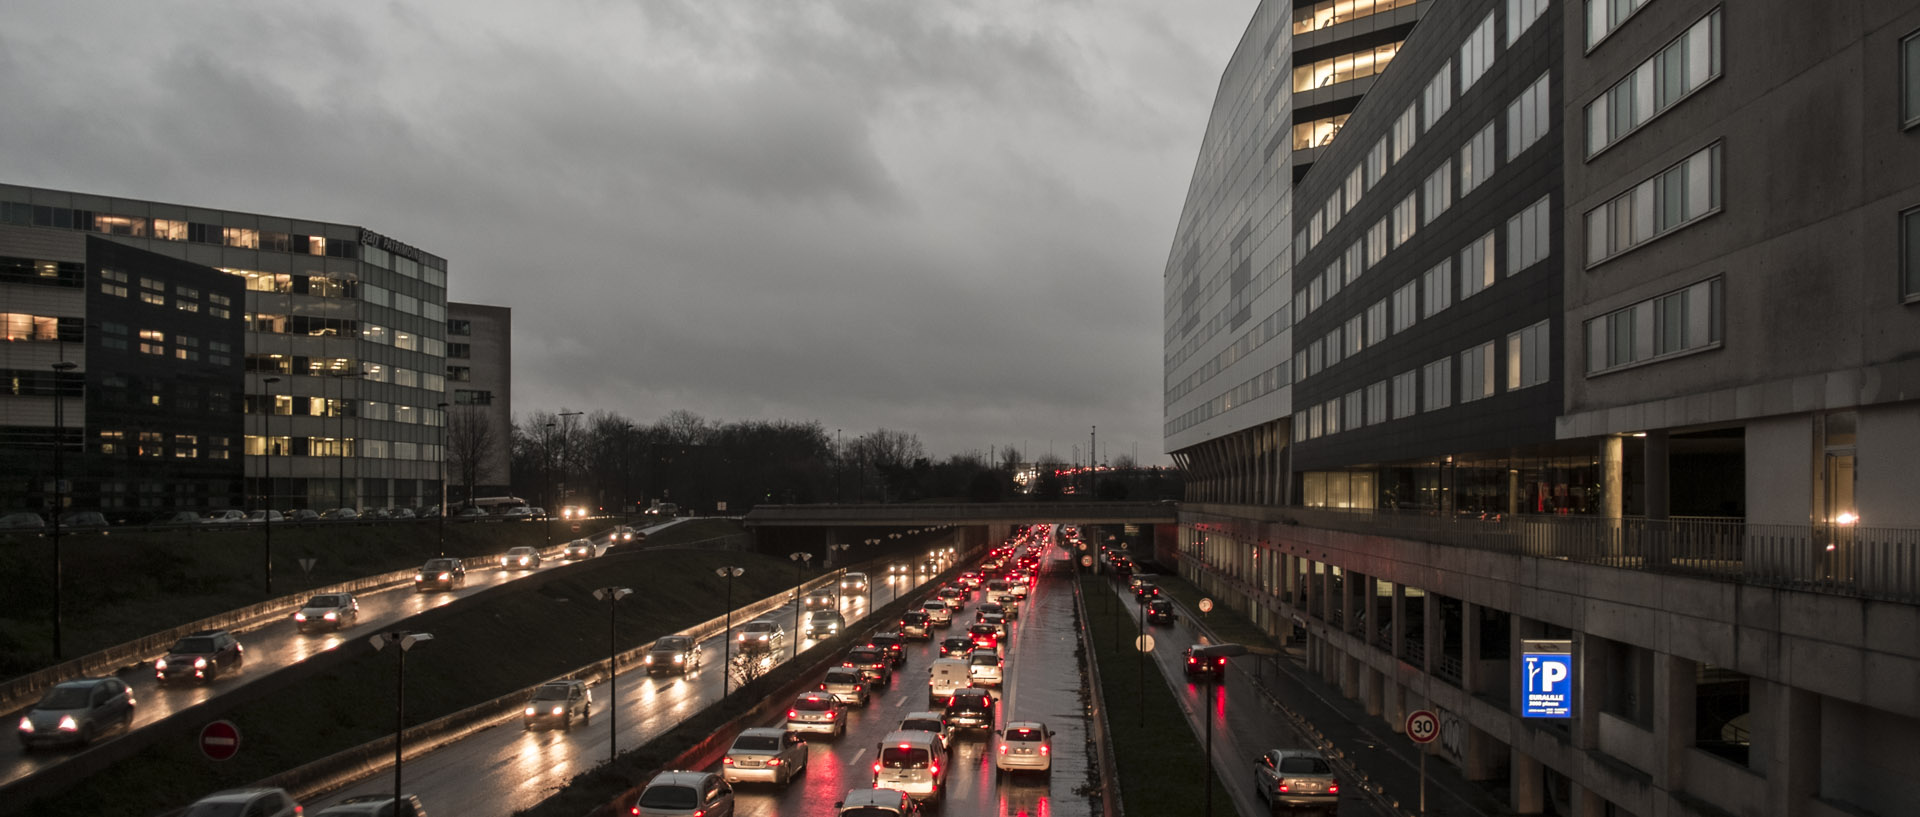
pixel 1677 323
pixel 174 230
pixel 160 445
pixel 1682 67
pixel 1670 200
pixel 1520 17
pixel 1259 385
pixel 42 273
pixel 1344 68
pixel 20 326
pixel 1471 375
pixel 1328 12
pixel 1254 338
pixel 257 446
pixel 1910 80
pixel 1603 16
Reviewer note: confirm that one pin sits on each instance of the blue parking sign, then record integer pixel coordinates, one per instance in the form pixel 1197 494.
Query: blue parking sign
pixel 1547 680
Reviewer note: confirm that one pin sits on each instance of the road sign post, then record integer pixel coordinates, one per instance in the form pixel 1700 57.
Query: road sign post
pixel 219 740
pixel 1423 726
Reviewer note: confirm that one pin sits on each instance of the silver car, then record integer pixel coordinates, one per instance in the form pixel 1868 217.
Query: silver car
pixel 1297 779
pixel 685 794
pixel 765 755
pixel 847 684
pixel 328 611
pixel 817 712
pixel 76 712
pixel 1024 746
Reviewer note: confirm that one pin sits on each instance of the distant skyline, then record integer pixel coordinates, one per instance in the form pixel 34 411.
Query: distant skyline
pixel 948 219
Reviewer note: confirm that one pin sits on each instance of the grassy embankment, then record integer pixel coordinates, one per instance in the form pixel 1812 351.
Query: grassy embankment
pixel 128 583
pixel 1159 759
pixel 502 641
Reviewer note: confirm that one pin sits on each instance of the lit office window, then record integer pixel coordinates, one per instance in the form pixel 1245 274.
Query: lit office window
pixel 1676 197
pixel 1529 236
pixel 1520 17
pixel 1671 325
pixel 1436 381
pixel 1437 192
pixel 1603 16
pixel 1682 67
pixel 1529 117
pixel 1477 162
pixel 1406 306
pixel 1476 54
pixel 1476 373
pixel 1529 356
pixel 1476 266
pixel 1343 68
pixel 1319 133
pixel 1437 284
pixel 1438 96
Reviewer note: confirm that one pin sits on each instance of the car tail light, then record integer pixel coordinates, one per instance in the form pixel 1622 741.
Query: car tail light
pixel 774 762
pixel 633 810
pixel 1334 787
pixel 830 714
pixel 876 767
pixel 726 761
pixel 1283 788
pixel 1003 748
pixel 793 713
pixel 1044 749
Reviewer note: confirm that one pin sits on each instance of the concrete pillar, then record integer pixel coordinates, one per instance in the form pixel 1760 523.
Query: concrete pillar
pixel 1376 698
pixel 1788 738
pixel 1586 803
pixel 1527 784
pixel 1659 501
pixel 1349 674
pixel 1345 600
pixel 1483 755
pixel 1435 633
pixel 1591 667
pixel 1612 487
pixel 1674 691
pixel 1513 491
pixel 1398 647
pixel 1395 704
pixel 1470 647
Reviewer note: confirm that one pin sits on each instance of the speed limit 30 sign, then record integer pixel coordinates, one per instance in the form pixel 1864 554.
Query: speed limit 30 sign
pixel 1423 726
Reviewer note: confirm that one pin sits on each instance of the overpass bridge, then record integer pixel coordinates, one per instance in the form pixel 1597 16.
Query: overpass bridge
pixel 962 514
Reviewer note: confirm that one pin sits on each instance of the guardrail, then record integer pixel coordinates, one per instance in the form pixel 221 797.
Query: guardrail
pixel 1110 804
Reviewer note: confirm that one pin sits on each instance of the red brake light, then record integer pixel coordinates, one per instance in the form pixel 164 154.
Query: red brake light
pixel 1283 787
pixel 727 761
pixel 936 767
pixel 1334 787
pixel 793 713
pixel 1044 749
pixel 1003 748
pixel 830 714
pixel 876 767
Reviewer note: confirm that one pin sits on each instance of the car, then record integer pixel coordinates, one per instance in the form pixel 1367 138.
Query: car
pixel 872 663
pixel 916 624
pixel 764 755
pixel 1024 746
pixel 937 612
pixel 440 574
pixel 260 802
pixel 893 643
pixel 375 514
pixel 303 515
pixel 853 582
pixel 229 516
pixel 1160 611
pixel 75 712
pixel 622 534
pixel 993 607
pixel 678 654
pixel 997 621
pixel 558 702
pixel 265 517
pixel 340 515
pixel 946 676
pixel 375 805
pixel 986 667
pixel 876 803
pixel 760 635
pixel 22 521
pixel 847 684
pixel 178 519
pixel 970 708
pixel 1020 588
pixel 1295 779
pixel 1146 592
pixel 520 557
pixel 536 513
pixel 517 512
pixel 83 520
pixel 821 599
pixel 328 611
pixel 825 623
pixel 817 712
pixel 1197 662
pixel 202 657
pixel 1009 605
pixel 895 569
pixel 573 512
pixel 685 794
pixel 927 720
pixel 955 597
pixel 401 513
pixel 470 513
pixel 971 579
pixel 984 636
pixel 911 762
pixel 578 549
pixel 958 646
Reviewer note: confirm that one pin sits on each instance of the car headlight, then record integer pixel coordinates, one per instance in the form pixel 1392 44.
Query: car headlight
pixel 26 724
pixel 299 616
pixel 331 616
pixel 647 660
pixel 68 724
pixel 530 711
pixel 678 658
pixel 199 663
pixel 559 709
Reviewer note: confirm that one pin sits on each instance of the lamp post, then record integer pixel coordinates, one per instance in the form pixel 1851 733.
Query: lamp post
pixel 837 551
pixel 566 450
pixel 442 521
pixel 405 640
pixel 340 450
pixel 1206 653
pixel 548 456
pixel 266 515
pixel 799 558
pixel 612 595
pixel 726 636
pixel 59 433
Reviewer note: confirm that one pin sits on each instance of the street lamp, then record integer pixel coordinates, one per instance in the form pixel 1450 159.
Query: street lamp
pixel 59 433
pixel 406 640
pixel 839 548
pixel 612 595
pixel 442 526
pixel 1205 653
pixel 340 444
pixel 799 558
pixel 726 636
pixel 266 515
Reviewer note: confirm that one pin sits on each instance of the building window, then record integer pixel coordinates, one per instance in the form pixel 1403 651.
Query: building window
pixel 1528 236
pixel 1377 163
pixel 1377 322
pixel 1336 347
pixel 1437 380
pixel 1671 325
pixel 1603 16
pixel 1910 76
pixel 459 350
pixel 1529 356
pixel 1406 393
pixel 1355 187
pixel 1377 403
pixel 1520 17
pixel 1377 245
pixel 187 306
pixel 1299 426
pixel 1910 254
pixel 153 342
pixel 1333 210
pixel 1476 54
pixel 1682 67
pixel 1405 130
pixel 1354 406
pixel 1676 197
pixel 1476 266
pixel 153 298
pixel 1355 261
pixel 1476 373
pixel 1406 218
pixel 456 326
pixel 1406 306
pixel 1476 160
pixel 1316 422
pixel 1438 96
pixel 1318 133
pixel 472 397
pixel 23 327
pixel 1333 281
pixel 1437 283
pixel 1356 336
pixel 1529 117
pixel 460 374
pixel 1327 12
pixel 1437 192
pixel 1344 68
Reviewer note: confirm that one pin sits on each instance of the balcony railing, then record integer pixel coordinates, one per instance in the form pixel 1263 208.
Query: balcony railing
pixel 1879 563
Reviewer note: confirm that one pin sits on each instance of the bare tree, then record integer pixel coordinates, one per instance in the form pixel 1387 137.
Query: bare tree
pixel 472 443
pixel 686 428
pixel 1009 457
pixel 886 448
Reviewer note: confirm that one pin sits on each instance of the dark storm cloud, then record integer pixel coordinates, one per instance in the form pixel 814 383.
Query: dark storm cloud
pixel 948 218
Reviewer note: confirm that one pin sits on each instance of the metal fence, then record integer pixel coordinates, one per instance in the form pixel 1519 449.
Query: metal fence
pixel 1879 563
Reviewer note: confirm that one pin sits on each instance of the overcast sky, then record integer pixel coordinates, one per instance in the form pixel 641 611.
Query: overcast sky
pixel 947 218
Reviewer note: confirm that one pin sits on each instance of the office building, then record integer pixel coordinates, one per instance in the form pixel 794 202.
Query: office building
pixel 480 399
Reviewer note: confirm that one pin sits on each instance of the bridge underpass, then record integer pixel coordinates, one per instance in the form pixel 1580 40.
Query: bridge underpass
pixel 964 524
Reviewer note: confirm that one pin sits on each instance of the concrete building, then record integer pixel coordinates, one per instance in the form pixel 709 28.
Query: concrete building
pixel 344 361
pixel 480 399
pixel 1650 402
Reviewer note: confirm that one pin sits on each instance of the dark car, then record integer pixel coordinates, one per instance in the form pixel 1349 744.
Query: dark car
pixel 440 574
pixel 955 647
pixel 677 654
pixel 970 708
pixel 825 623
pixel 1160 611
pixel 1210 666
pixel 76 712
pixel 984 636
pixel 873 664
pixel 895 646
pixel 916 624
pixel 200 657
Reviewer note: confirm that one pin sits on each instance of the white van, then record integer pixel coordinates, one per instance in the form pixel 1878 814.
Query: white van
pixel 910 762
pixel 945 676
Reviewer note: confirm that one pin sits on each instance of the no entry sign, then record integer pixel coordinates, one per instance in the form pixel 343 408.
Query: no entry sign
pixel 219 740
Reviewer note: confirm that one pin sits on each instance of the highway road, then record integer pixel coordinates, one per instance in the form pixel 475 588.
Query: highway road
pixel 270 647
pixel 506 768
